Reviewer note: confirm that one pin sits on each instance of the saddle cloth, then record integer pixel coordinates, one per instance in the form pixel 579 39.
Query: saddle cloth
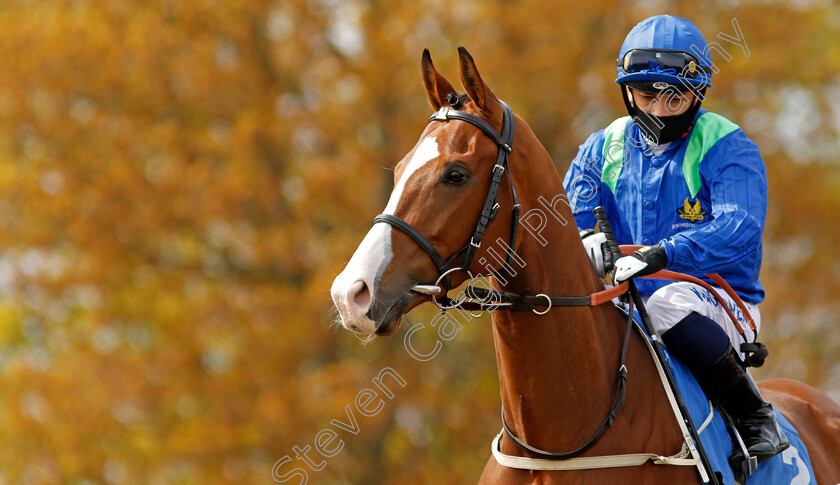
pixel 791 467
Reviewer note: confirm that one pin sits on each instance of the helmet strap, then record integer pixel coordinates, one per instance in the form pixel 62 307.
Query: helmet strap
pixel 662 129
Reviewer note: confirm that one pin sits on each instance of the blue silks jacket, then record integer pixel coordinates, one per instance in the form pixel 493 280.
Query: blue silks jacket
pixel 704 198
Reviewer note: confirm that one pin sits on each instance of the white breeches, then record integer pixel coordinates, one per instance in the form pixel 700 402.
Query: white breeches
pixel 671 303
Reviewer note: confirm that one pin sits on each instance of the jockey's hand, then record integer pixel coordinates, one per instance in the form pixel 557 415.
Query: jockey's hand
pixel 594 243
pixel 646 260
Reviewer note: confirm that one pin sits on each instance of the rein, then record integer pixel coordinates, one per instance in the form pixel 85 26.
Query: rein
pixel 501 300
pixel 490 300
pixel 618 403
pixel 506 300
pixel 548 460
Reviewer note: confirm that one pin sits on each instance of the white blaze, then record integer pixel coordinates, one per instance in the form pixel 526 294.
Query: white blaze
pixel 427 151
pixel 374 253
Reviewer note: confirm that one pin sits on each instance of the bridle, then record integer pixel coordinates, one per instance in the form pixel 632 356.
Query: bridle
pixel 504 141
pixel 524 301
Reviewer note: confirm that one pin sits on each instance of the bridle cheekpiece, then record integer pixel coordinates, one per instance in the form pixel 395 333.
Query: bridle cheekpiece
pixel 466 254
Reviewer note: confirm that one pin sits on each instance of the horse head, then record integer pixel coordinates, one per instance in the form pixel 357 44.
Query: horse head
pixel 440 197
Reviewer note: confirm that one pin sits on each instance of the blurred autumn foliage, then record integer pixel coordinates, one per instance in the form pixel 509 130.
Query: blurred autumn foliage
pixel 180 180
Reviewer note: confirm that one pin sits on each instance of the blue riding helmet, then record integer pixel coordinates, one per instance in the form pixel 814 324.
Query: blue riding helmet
pixel 667 49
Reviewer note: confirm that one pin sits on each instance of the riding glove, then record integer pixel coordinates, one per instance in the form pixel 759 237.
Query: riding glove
pixel 646 260
pixel 594 243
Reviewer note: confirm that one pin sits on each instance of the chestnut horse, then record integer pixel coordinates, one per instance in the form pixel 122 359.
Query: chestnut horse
pixel 557 371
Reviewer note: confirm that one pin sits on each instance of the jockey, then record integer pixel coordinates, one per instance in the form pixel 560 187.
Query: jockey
pixel 690 186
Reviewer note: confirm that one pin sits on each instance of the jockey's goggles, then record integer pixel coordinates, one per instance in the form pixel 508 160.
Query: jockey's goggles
pixel 657 60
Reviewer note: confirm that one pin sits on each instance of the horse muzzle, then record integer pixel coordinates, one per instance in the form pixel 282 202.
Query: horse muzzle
pixel 364 312
pixel 353 302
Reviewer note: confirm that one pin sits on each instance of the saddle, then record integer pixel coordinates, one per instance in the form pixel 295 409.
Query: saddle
pixel 719 438
pixel 707 446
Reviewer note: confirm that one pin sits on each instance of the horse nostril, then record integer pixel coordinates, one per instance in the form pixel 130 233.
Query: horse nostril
pixel 359 296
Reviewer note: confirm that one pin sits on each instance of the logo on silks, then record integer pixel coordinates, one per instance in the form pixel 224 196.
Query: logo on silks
pixel 692 212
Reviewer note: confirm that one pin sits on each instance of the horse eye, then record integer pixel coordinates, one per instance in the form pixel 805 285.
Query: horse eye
pixel 455 177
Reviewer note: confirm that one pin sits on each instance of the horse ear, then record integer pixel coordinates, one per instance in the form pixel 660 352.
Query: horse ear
pixel 437 88
pixel 476 89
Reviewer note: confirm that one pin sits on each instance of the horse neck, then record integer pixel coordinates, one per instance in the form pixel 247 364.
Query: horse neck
pixel 557 371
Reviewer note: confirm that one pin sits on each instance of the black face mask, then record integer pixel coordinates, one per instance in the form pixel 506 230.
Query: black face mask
pixel 661 129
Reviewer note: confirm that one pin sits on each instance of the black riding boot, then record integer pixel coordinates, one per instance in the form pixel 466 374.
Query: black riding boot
pixel 735 389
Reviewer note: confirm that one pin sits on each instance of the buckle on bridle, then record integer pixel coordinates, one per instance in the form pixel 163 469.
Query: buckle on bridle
pixel 442 114
pixel 548 299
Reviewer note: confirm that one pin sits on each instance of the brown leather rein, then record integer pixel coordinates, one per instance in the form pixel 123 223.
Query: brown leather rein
pixel 489 300
pixel 674 276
